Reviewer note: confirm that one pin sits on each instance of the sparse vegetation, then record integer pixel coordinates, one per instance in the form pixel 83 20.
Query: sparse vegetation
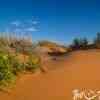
pixel 11 64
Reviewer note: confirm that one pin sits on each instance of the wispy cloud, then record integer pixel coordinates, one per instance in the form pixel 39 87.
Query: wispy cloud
pixel 16 23
pixel 31 29
pixel 26 26
pixel 35 22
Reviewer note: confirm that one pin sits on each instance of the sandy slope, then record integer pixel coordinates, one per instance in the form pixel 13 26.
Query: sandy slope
pixel 79 70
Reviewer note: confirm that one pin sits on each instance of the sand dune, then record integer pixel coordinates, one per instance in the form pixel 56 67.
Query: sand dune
pixel 80 69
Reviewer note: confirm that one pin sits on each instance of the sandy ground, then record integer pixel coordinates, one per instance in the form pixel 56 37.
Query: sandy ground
pixel 79 70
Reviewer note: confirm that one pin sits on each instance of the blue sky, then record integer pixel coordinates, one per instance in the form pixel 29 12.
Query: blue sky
pixel 59 20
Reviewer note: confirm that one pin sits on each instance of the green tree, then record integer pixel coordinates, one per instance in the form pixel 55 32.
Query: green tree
pixel 76 43
pixel 84 43
pixel 97 41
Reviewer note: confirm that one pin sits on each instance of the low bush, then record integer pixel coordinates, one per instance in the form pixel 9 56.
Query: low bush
pixel 33 63
pixel 17 66
pixel 10 67
pixel 7 77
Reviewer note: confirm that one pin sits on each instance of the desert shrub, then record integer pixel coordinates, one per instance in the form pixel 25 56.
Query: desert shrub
pixel 33 63
pixel 22 46
pixel 3 41
pixel 10 64
pixel 7 79
pixel 17 66
pixel 6 75
pixel 10 67
pixel 4 44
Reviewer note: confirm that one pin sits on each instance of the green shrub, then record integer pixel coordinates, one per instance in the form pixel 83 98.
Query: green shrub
pixel 17 66
pixel 33 63
pixel 6 75
pixel 11 66
pixel 7 80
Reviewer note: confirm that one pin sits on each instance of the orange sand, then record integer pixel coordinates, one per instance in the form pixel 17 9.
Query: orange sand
pixel 80 70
